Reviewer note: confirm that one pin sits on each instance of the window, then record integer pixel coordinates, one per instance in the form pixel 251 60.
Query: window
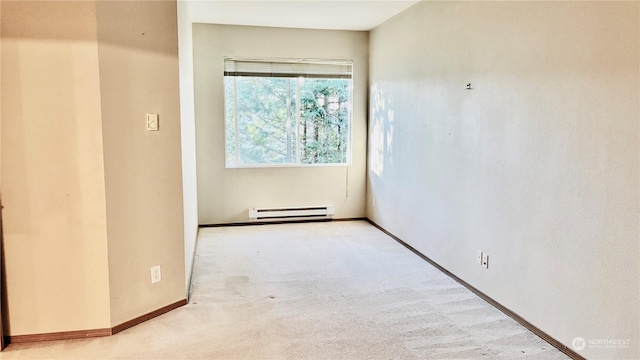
pixel 287 112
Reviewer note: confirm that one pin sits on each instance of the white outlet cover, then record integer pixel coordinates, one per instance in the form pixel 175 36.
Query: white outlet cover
pixel 156 274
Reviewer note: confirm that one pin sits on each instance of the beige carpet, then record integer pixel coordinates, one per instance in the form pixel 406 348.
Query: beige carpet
pixel 339 290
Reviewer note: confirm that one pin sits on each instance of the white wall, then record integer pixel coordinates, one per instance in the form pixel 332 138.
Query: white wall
pixel 224 195
pixel 188 131
pixel 537 165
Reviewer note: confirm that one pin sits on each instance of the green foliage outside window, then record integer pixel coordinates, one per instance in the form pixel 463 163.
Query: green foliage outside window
pixel 287 121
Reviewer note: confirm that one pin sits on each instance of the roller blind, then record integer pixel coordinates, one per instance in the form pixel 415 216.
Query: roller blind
pixel 311 68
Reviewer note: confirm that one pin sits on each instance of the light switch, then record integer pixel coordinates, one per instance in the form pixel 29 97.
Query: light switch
pixel 152 122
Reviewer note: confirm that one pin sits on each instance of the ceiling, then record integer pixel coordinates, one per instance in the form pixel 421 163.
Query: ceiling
pixel 310 14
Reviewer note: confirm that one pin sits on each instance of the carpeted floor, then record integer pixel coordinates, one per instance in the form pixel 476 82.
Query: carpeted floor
pixel 337 290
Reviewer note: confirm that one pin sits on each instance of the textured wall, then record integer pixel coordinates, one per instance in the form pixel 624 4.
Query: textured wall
pixel 92 200
pixel 53 177
pixel 537 165
pixel 138 52
pixel 224 195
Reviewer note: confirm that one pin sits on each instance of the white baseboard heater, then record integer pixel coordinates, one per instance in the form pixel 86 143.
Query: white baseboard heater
pixel 292 213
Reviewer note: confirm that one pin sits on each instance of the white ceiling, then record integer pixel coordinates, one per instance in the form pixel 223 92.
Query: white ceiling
pixel 310 14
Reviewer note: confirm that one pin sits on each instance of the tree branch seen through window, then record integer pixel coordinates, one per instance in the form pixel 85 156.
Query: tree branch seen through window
pixel 272 120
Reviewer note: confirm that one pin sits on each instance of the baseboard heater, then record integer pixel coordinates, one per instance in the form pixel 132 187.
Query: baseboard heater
pixel 292 213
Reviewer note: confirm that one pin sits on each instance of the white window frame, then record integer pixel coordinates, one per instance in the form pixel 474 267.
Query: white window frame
pixel 301 74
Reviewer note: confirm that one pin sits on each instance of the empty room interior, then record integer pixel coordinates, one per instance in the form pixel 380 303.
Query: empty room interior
pixel 320 179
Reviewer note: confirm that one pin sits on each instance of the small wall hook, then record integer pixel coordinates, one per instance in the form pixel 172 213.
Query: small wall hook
pixel 468 86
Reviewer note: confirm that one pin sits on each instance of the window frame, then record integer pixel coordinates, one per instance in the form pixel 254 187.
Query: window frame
pixel 294 119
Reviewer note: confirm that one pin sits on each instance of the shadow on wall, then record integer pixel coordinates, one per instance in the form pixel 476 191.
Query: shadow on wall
pixel 137 34
pixel 381 131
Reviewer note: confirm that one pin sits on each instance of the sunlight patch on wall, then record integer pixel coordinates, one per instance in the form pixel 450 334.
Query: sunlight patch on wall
pixel 381 138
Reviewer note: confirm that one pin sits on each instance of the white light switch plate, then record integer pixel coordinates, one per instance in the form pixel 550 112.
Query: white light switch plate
pixel 152 122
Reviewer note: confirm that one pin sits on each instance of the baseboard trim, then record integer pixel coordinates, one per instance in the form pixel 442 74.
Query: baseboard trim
pixel 148 316
pixel 544 336
pixel 62 335
pixel 82 334
pixel 282 222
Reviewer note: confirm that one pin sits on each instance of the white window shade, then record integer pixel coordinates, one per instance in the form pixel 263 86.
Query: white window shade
pixel 340 69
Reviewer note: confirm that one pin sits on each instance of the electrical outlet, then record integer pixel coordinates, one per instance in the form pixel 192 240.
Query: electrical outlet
pixel 485 260
pixel 374 202
pixel 156 274
pixel 479 257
